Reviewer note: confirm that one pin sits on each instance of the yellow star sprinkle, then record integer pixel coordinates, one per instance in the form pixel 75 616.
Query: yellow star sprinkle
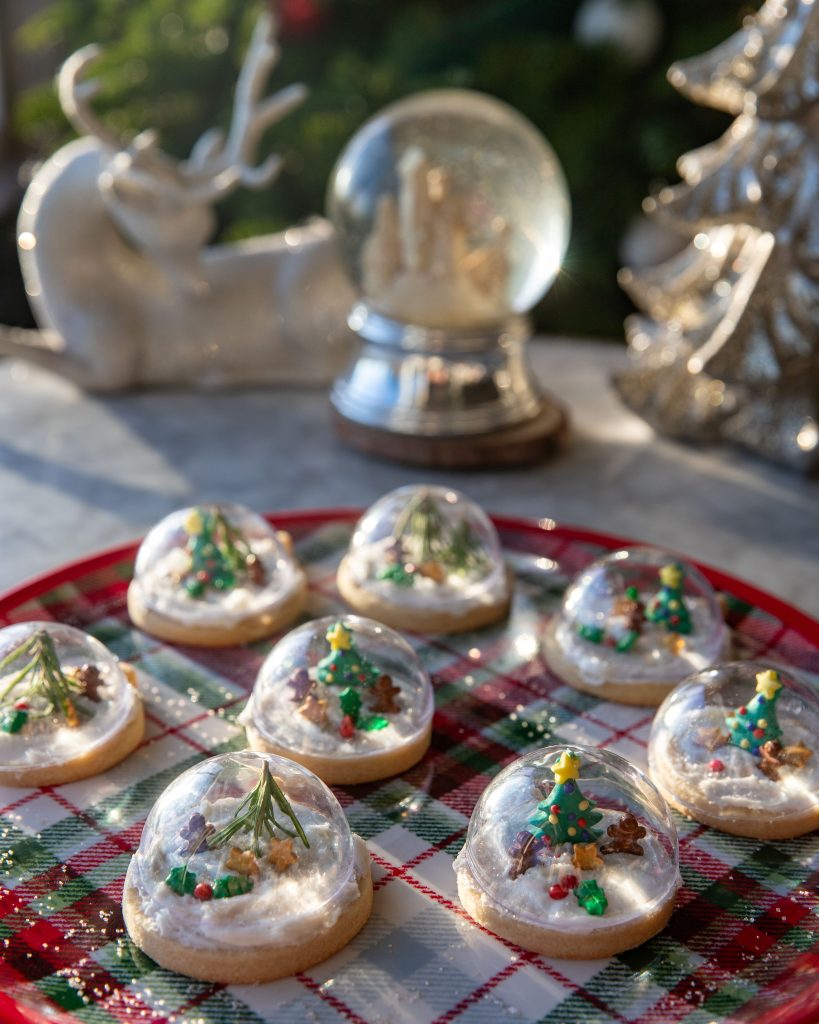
pixel 339 637
pixel 568 767
pixel 767 683
pixel 671 575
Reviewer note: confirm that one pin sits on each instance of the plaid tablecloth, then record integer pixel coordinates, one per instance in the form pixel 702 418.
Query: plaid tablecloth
pixel 743 944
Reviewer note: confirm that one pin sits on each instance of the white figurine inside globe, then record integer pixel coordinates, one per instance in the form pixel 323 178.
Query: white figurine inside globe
pixel 633 624
pixel 347 697
pixel 735 747
pixel 452 210
pixel 569 846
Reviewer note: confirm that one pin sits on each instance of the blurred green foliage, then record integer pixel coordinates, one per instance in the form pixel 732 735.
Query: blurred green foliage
pixel 171 65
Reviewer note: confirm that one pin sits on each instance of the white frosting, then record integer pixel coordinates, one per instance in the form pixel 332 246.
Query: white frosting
pixel 679 755
pixel 285 907
pixel 272 711
pixel 634 886
pixel 650 660
pixel 158 588
pixel 457 593
pixel 50 741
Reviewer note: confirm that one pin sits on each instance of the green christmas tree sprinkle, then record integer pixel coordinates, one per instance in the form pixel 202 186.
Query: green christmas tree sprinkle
pixel 566 815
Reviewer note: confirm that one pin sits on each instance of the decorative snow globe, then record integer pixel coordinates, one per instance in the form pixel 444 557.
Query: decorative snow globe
pixel 453 217
pixel 735 747
pixel 633 624
pixel 246 871
pixel 571 852
pixel 215 575
pixel 427 559
pixel 68 710
pixel 348 698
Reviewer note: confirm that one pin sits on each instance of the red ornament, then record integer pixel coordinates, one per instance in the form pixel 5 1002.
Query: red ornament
pixel 581 822
pixel 674 619
pixel 570 881
pixel 557 892
pixel 347 727
pixel 743 710
pixel 716 765
pixel 759 733
pixel 203 576
pixel 554 809
pixel 203 891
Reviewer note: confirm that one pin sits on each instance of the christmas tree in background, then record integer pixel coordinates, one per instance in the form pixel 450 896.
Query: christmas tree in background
pixel 668 606
pixel 729 347
pixel 566 815
pixel 345 665
pixel 172 65
pixel 755 724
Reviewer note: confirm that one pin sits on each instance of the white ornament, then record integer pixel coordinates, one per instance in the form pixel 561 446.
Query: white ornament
pixel 634 27
pixel 112 247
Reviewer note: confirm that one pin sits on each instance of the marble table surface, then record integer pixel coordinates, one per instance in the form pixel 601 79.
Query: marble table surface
pixel 79 473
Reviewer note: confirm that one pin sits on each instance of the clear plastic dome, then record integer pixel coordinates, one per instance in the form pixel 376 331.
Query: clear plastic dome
pixel 246 827
pixel 62 693
pixel 736 746
pixel 570 825
pixel 452 210
pixel 427 545
pixel 639 614
pixel 341 688
pixel 213 563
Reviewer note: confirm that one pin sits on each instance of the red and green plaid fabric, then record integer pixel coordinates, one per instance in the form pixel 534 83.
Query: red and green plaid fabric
pixel 743 944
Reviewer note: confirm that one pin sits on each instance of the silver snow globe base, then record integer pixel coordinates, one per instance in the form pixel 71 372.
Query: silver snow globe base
pixel 453 217
pixel 434 382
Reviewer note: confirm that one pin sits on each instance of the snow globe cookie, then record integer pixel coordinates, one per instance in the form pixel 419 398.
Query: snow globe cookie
pixel 247 871
pixel 426 559
pixel 634 624
pixel 571 852
pixel 735 747
pixel 68 708
pixel 214 576
pixel 348 698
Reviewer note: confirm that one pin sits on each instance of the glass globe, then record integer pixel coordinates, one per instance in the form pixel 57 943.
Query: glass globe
pixel 341 688
pixel 638 615
pixel 736 747
pixel 542 840
pixel 201 849
pixel 429 545
pixel 62 694
pixel 452 210
pixel 213 564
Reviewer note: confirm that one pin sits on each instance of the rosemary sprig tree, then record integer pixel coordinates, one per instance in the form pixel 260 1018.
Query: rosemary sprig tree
pixel 423 529
pixel 40 685
pixel 257 814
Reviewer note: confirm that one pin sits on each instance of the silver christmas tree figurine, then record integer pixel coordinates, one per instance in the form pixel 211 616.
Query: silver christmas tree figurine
pixel 728 347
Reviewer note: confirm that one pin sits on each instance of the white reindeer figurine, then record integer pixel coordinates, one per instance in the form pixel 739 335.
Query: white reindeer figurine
pixel 112 247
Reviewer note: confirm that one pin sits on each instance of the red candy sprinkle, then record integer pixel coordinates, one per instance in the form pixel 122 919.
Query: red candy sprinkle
pixel 347 728
pixel 203 891
pixel 21 705
pixel 557 892
pixel 570 881
pixel 716 765
pixel 743 710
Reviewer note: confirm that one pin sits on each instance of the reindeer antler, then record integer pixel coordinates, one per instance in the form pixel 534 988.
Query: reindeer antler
pixel 226 163
pixel 76 95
